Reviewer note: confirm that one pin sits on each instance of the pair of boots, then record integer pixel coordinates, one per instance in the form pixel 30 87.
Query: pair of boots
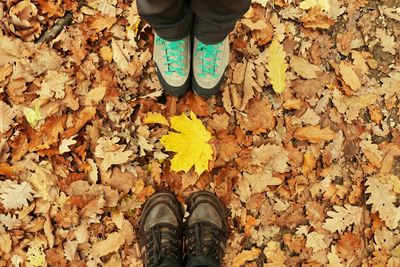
pixel 166 241
pixel 177 64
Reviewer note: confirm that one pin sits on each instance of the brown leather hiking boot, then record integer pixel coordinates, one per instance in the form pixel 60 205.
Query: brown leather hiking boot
pixel 205 231
pixel 160 230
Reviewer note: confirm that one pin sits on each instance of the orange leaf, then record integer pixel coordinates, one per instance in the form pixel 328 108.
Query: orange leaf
pixel 83 117
pixel 6 170
pixel 314 134
pixel 245 256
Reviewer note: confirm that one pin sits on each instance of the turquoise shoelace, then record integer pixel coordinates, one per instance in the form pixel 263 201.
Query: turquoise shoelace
pixel 174 58
pixel 210 58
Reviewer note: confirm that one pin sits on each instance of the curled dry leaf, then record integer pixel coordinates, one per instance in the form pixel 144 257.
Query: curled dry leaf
pixel 314 134
pixel 245 256
pixel 111 244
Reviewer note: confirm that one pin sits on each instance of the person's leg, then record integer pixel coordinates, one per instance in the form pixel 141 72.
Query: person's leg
pixel 205 231
pixel 172 22
pixel 171 19
pixel 215 19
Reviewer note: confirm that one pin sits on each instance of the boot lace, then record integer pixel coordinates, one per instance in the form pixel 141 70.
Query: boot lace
pixel 204 239
pixel 174 55
pixel 210 58
pixel 162 242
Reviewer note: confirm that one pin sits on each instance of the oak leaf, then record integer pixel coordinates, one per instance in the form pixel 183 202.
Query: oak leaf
pixel 304 68
pixel 316 241
pixel 53 85
pixel 106 53
pixel 65 143
pixel 245 256
pixel 382 199
pixel 349 76
pixel 33 116
pixel 314 134
pixel 10 221
pixel 111 152
pixel 7 115
pixel 35 254
pixel 322 4
pixel 343 217
pixel 111 244
pixel 16 196
pixel 277 66
pixel 271 155
pixel 190 142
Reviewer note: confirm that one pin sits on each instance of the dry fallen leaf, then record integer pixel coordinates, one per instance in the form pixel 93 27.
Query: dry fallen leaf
pixel 111 244
pixel 111 152
pixel 349 76
pixel 322 4
pixel 343 217
pixel 16 196
pixel 304 68
pixel 245 256
pixel 277 66
pixel 153 117
pixel 314 134
pixel 7 115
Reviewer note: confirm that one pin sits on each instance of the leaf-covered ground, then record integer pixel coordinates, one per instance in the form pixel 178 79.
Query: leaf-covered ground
pixel 310 176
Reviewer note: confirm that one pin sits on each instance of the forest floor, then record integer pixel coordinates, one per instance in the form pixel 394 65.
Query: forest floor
pixel 310 176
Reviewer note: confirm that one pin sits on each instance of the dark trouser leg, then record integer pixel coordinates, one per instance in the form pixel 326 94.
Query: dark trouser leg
pixel 215 19
pixel 202 261
pixel 171 19
pixel 170 262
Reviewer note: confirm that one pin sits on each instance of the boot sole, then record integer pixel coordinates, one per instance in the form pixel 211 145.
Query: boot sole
pixel 173 90
pixel 207 92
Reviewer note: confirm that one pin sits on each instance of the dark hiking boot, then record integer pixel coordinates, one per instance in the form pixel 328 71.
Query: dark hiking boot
pixel 205 231
pixel 160 230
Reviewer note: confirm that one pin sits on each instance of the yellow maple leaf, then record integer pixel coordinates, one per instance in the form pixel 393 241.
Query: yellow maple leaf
pixel 189 142
pixel 277 66
pixel 154 117
pixel 322 4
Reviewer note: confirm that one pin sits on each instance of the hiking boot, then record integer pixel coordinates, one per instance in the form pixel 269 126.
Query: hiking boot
pixel 209 65
pixel 205 231
pixel 172 62
pixel 160 230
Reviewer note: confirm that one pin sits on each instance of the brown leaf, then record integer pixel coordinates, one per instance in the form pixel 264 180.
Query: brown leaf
pixel 83 117
pixel 314 134
pixel 100 22
pixel 195 103
pixel 219 122
pixel 227 147
pixel 260 117
pixel 349 76
pixel 349 246
pixel 309 163
pixel 6 170
pixel 304 68
pixel 225 180
pixel 111 244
